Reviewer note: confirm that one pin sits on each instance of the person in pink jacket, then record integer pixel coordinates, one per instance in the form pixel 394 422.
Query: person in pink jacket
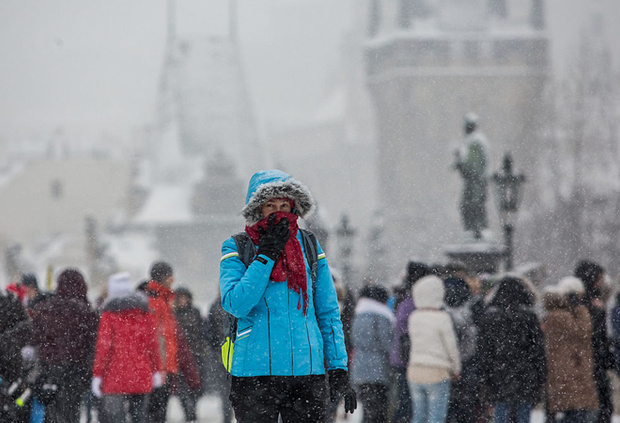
pixel 127 362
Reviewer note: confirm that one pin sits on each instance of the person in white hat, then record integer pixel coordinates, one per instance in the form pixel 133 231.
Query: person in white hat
pixel 127 362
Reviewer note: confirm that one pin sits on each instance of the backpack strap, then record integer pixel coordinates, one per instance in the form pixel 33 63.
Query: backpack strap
pixel 247 251
pixel 311 247
pixel 245 248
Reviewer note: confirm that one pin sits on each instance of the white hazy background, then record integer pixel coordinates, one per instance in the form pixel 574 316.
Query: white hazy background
pixel 91 67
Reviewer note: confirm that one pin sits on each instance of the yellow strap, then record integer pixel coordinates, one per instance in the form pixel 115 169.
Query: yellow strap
pixel 227 353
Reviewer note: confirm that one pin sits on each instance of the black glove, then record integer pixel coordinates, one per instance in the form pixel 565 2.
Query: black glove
pixel 339 385
pixel 271 241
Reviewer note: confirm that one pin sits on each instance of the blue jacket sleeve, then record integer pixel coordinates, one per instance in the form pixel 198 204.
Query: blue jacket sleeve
pixel 241 287
pixel 328 316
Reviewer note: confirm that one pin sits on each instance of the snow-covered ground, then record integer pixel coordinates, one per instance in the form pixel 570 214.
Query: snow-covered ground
pixel 209 412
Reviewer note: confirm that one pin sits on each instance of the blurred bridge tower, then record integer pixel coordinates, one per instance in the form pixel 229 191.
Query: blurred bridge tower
pixel 427 65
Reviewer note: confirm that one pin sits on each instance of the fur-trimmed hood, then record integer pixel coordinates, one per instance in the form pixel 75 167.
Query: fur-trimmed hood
pixel 129 302
pixel 267 184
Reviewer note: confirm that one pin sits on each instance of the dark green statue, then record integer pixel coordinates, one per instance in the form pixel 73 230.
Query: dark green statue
pixel 471 162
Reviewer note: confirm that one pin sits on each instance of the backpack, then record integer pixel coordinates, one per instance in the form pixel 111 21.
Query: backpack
pixel 247 253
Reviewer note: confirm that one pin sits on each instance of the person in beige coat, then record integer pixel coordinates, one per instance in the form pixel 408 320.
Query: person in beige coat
pixel 571 389
pixel 434 357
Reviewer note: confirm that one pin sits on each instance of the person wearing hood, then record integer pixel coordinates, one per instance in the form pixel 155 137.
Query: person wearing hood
pixel 65 330
pixel 593 277
pixel 399 355
pixel 465 405
pixel 289 330
pixel 127 363
pixel 512 351
pixel 373 330
pixel 434 356
pixel 571 390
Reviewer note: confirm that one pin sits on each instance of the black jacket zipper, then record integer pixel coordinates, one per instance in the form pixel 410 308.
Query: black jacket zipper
pixel 309 343
pixel 268 333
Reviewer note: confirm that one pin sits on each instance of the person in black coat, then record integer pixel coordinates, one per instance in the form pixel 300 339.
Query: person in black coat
pixel 190 321
pixel 15 333
pixel 465 401
pixel 65 332
pixel 593 275
pixel 512 351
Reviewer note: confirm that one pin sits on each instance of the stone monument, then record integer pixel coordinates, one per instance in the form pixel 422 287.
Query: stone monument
pixel 476 249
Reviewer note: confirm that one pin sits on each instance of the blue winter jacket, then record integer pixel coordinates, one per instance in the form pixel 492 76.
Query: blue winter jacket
pixel 274 337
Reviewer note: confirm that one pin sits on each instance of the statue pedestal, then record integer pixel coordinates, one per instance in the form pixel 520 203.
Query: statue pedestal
pixel 479 256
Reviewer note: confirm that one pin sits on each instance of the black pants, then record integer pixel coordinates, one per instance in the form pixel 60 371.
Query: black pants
pixel 72 380
pixel 189 399
pixel 603 388
pixel 158 402
pixel 374 399
pixel 113 408
pixel 403 405
pixel 297 399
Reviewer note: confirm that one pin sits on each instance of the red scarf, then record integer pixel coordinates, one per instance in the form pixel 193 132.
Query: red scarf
pixel 290 266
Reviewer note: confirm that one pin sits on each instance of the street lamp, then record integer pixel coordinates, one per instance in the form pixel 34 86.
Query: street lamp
pixel 346 235
pixel 508 193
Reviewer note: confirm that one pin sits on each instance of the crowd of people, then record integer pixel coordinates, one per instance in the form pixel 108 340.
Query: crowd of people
pixel 466 349
pixel 444 345
pixel 121 356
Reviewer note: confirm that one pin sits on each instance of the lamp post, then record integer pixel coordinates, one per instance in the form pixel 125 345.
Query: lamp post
pixel 508 193
pixel 345 234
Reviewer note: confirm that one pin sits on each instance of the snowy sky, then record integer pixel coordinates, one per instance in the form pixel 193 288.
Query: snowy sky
pixel 94 65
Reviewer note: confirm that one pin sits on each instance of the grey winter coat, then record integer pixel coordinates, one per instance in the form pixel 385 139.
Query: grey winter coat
pixel 372 333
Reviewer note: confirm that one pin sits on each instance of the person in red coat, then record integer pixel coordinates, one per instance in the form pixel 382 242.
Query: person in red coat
pixel 127 361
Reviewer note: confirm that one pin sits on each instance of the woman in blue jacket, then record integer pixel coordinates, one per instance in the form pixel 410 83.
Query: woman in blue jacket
pixel 288 331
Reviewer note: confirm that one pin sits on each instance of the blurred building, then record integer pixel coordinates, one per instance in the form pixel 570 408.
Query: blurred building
pixel 427 65
pixel 47 204
pixel 204 147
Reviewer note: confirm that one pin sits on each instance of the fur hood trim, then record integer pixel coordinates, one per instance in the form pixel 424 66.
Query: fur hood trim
pixel 129 302
pixel 267 184
pixel 368 305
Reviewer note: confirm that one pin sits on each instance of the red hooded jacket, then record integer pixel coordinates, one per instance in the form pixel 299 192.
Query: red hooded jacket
pixel 127 352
